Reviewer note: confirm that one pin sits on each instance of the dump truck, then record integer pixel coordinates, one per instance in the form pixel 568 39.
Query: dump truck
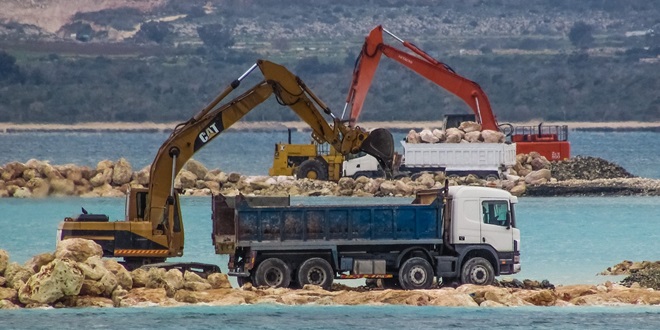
pixel 458 234
pixel 485 160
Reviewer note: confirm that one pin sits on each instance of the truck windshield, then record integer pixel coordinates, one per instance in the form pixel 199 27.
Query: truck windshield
pixel 496 213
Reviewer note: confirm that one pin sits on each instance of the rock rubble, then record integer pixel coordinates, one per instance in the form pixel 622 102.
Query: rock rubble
pixel 532 175
pixel 76 276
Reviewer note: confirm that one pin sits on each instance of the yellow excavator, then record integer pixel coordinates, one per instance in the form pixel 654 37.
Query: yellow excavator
pixel 153 227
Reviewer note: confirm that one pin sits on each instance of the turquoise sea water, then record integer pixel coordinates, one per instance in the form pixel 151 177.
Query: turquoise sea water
pixel 251 153
pixel 566 240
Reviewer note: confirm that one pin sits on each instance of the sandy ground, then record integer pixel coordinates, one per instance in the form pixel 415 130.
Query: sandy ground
pixel 109 126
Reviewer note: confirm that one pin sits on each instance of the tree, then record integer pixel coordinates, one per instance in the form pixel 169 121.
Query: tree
pixel 154 31
pixel 9 70
pixel 581 35
pixel 215 36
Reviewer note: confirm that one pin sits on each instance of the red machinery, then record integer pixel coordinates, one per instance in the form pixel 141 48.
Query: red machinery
pixel 549 141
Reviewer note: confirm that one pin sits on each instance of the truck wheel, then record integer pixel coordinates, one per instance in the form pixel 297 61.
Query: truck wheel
pixel 312 169
pixel 316 271
pixel 273 272
pixel 416 274
pixel 477 271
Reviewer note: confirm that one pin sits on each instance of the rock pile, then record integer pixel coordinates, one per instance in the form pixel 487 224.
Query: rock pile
pixel 466 132
pixel 644 273
pixel 76 276
pixel 531 175
pixel 587 168
pixel 113 179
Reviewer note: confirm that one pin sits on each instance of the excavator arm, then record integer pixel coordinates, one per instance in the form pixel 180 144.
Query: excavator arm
pixel 421 63
pixel 188 137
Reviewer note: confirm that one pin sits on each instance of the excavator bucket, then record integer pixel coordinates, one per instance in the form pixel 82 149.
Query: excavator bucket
pixel 380 144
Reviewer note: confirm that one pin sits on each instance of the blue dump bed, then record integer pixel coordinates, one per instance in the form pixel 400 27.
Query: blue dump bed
pixel 248 223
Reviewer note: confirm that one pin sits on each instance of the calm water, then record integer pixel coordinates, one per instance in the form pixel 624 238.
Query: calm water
pixel 564 240
pixel 252 152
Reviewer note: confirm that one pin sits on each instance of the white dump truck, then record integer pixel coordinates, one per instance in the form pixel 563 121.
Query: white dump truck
pixel 481 159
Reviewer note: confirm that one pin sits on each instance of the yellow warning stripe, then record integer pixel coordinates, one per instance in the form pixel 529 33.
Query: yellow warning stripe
pixel 366 276
pixel 141 252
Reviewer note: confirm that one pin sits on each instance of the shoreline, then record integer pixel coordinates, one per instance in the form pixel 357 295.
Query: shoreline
pixel 300 126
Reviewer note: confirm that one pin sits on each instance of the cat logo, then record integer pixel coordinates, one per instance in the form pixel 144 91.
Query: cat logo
pixel 208 133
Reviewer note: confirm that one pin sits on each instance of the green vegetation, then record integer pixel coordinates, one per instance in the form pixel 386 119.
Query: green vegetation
pixel 537 60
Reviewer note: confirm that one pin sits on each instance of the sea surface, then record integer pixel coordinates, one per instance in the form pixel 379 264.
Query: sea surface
pixel 566 240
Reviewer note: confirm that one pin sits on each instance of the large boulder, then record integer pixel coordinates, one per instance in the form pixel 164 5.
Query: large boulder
pixel 219 281
pixel 538 177
pixel 60 278
pixel 39 187
pixel 473 137
pixel 103 177
pixel 454 135
pixel 140 278
pixel 77 249
pixel 16 275
pixel 62 187
pixel 35 263
pixel 142 176
pixel 122 172
pixel 490 136
pixel 196 168
pixel 470 126
pixel 440 135
pixel 413 137
pixel 194 282
pixel 185 180
pixel 124 277
pixel 8 294
pixel 4 261
pixel 426 135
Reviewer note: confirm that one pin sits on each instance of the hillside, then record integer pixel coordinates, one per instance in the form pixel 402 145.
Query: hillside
pixel 118 60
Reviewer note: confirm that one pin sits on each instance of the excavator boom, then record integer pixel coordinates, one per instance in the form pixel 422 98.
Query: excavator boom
pixel 421 63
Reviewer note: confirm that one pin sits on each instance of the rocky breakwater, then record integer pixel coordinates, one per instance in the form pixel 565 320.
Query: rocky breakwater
pixel 532 175
pixel 75 275
pixel 37 178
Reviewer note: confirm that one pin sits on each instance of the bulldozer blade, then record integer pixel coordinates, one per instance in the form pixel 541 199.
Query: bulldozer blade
pixel 380 144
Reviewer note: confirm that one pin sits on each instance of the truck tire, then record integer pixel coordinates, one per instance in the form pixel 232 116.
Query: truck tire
pixel 477 271
pixel 312 169
pixel 416 274
pixel 273 272
pixel 316 271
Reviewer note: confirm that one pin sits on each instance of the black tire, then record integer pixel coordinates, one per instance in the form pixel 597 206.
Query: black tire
pixel 312 169
pixel 316 271
pixel 477 271
pixel 273 272
pixel 416 274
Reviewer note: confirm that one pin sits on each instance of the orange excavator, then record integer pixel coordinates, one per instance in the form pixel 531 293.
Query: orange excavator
pixel 549 141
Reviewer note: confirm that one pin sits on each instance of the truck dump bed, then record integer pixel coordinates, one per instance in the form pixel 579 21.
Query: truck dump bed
pixel 464 157
pixel 238 222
